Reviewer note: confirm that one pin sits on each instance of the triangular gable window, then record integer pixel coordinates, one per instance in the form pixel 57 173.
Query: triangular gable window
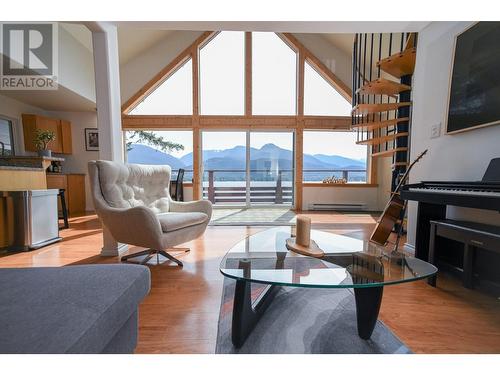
pixel 274 75
pixel 222 75
pixel 320 97
pixel 174 96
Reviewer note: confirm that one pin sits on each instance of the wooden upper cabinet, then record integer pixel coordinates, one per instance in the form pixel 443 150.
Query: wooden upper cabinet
pixel 66 140
pixel 62 129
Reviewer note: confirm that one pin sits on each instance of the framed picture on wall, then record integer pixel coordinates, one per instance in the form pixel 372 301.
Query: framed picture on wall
pixel 91 139
pixel 474 96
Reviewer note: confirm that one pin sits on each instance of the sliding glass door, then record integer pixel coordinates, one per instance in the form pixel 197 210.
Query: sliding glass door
pixel 271 168
pixel 245 168
pixel 224 162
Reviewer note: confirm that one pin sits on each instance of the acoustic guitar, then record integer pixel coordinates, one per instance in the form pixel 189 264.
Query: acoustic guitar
pixel 393 211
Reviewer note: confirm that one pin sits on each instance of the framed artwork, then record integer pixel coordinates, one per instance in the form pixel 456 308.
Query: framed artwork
pixel 474 96
pixel 91 139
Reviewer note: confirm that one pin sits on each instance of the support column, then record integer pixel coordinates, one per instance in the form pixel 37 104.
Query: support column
pixel 108 102
pixel 299 133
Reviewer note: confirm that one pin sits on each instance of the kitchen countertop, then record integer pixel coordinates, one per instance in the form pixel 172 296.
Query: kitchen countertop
pixel 34 157
pixel 28 161
pixel 17 168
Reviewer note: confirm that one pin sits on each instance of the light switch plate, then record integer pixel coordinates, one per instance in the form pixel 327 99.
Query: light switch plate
pixel 436 130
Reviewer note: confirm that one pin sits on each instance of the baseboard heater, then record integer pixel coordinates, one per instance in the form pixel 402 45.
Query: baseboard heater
pixel 337 207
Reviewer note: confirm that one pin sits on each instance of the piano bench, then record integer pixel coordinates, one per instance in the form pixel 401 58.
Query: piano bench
pixel 472 235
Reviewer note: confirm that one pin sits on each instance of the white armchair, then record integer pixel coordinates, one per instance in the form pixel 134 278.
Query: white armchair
pixel 134 204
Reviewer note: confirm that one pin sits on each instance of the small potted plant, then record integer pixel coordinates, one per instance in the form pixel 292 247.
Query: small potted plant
pixel 42 140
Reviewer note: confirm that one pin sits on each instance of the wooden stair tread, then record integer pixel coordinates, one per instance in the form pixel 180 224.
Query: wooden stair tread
pixel 379 124
pixel 383 139
pixel 383 86
pixel 390 152
pixel 399 64
pixel 378 107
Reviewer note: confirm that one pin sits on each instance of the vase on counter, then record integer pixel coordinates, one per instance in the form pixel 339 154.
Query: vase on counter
pixel 47 153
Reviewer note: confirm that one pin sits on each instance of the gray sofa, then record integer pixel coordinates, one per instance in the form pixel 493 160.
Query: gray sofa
pixel 75 309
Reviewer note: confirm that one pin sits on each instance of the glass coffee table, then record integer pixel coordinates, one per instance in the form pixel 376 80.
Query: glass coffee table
pixel 348 263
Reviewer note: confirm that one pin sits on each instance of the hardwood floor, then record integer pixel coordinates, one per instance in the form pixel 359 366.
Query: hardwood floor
pixel 180 314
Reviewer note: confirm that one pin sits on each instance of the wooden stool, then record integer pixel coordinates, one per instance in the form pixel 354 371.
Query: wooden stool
pixel 63 209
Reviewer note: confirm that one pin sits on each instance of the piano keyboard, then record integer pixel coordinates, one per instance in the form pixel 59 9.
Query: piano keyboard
pixel 456 192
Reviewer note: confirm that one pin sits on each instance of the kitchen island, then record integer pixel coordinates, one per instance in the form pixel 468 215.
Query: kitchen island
pixel 24 172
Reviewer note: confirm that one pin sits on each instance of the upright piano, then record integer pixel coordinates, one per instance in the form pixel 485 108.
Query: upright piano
pixel 434 196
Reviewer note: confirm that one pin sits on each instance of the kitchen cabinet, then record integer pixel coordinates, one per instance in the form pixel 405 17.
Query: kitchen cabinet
pixel 62 129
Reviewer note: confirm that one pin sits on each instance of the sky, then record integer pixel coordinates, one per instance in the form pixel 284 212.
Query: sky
pixel 273 93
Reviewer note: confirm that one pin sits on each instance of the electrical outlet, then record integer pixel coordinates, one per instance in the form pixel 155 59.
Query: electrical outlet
pixel 436 130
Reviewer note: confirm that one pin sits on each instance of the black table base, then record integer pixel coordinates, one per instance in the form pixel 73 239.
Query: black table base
pixel 368 301
pixel 246 313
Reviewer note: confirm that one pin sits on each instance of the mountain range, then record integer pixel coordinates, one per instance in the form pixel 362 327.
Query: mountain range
pixel 234 158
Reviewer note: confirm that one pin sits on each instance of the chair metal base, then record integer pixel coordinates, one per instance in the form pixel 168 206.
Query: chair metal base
pixel 146 255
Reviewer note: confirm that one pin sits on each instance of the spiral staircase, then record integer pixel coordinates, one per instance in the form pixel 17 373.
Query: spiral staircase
pixel 383 66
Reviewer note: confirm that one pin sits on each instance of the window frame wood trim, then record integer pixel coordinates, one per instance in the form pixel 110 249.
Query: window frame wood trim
pixel 165 122
pixel 248 74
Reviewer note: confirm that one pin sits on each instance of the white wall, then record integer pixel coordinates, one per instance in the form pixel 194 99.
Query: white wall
pixel 384 175
pixel 76 65
pixel 77 162
pixel 344 195
pixel 463 156
pixel 333 57
pixel 138 71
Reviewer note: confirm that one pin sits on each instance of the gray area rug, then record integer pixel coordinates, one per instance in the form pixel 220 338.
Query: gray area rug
pixel 305 320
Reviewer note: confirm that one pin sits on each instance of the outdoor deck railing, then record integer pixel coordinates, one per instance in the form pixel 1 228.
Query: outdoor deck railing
pixel 229 186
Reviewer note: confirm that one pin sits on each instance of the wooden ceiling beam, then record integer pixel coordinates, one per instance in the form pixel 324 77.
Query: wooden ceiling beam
pixel 130 122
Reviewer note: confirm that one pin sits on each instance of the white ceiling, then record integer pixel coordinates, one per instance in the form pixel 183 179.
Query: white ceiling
pixel 135 37
pixel 80 32
pixel 342 41
pixel 132 41
pixel 62 99
pixel 282 26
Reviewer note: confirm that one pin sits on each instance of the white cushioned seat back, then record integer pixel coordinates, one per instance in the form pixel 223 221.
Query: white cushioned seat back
pixel 150 186
pixel 113 178
pixel 131 185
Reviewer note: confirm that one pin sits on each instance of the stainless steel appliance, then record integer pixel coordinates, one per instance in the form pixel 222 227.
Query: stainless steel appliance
pixel 29 218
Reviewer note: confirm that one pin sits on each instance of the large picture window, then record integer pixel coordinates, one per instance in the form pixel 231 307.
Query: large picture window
pixel 174 96
pixel 242 94
pixel 171 147
pixel 274 76
pixel 333 154
pixel 320 97
pixel 222 74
